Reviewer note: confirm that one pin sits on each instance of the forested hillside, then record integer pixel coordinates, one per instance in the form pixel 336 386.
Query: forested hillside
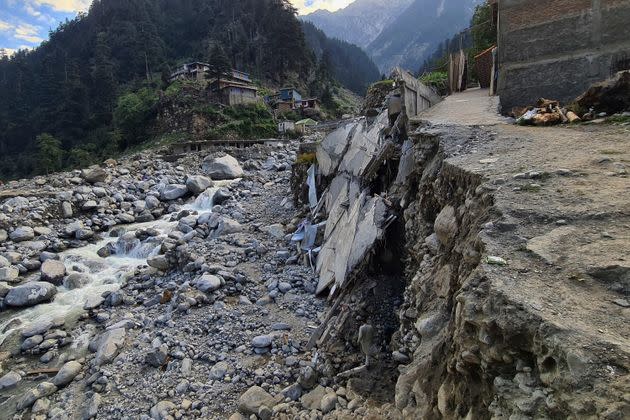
pixel 349 64
pixel 76 86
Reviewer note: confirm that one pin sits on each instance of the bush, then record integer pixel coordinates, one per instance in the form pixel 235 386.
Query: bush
pixel 49 153
pixel 436 79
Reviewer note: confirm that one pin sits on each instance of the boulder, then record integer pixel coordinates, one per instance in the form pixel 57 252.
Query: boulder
pixel 225 167
pixel 445 226
pixel 108 345
pixel 9 380
pixel 9 274
pixel 253 399
pixel 66 210
pixel 159 261
pixel 173 192
pixel 22 233
pixel 157 356
pixel 221 196
pixel 208 283
pixel 30 294
pixel 313 399
pixel 162 410
pixel 76 280
pixel 3 235
pixel 53 271
pixel 67 373
pixel 95 174
pixel 261 341
pixel 197 184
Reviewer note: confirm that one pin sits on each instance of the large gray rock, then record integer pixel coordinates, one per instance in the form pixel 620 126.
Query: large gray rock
pixel 446 226
pixel 3 235
pixel 173 192
pixel 225 167
pixel 67 373
pixel 162 410
pixel 208 283
pixel 53 271
pixel 9 380
pixel 30 294
pixel 66 209
pixel 4 262
pixel 197 184
pixel 9 273
pixel 159 261
pixel 95 174
pixel 22 233
pixel 76 280
pixel 44 389
pixel 108 346
pixel 253 399
pixel 91 409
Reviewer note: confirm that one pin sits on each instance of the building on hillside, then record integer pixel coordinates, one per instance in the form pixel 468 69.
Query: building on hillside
pixel 302 125
pixel 286 126
pixel 557 49
pixel 312 103
pixel 290 95
pixel 234 93
pixel 190 71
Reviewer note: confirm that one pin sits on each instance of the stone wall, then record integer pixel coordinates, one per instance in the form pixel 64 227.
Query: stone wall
pixel 558 49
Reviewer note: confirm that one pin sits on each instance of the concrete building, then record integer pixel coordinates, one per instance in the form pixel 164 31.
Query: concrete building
pixel 190 71
pixel 235 93
pixel 557 49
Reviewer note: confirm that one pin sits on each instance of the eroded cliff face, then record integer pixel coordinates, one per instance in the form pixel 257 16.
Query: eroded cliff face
pixel 473 335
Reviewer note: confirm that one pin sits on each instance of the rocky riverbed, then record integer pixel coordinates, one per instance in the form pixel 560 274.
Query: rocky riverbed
pixel 149 289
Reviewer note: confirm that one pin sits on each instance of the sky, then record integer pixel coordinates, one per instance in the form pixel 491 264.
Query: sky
pixel 26 23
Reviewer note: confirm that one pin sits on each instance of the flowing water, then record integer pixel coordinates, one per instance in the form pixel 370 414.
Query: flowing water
pixel 102 274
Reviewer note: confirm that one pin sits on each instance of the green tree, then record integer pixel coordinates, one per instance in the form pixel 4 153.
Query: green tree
pixel 484 33
pixel 104 86
pixel 132 115
pixel 219 61
pixel 49 153
pixel 78 157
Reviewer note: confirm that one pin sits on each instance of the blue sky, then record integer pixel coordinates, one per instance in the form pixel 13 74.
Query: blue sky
pixel 26 23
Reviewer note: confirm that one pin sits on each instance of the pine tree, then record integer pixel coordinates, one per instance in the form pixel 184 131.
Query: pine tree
pixel 104 86
pixel 219 62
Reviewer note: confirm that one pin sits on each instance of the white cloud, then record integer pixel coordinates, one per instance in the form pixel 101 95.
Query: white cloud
pixel 65 5
pixel 27 32
pixel 5 26
pixel 308 6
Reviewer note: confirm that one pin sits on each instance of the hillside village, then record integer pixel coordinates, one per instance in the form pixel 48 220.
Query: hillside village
pixel 454 247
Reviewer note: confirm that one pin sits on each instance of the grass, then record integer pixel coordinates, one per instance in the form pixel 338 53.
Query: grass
pixel 306 158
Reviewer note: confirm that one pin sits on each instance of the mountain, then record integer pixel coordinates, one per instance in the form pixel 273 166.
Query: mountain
pixel 349 64
pixel 397 32
pixel 360 22
pixel 415 34
pixel 106 66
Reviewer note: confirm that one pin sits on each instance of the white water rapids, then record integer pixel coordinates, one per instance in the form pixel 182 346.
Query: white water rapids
pixel 105 274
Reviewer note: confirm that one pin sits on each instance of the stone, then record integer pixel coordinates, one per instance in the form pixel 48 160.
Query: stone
pixel 53 271
pixel 43 390
pixel 91 410
pixel 3 235
pixel 173 192
pixel 94 175
pixel 208 283
pixel 108 346
pixel 219 370
pixel 89 205
pixel 445 226
pixel 9 380
pixel 221 196
pixel 67 373
pixel 292 392
pixel 262 341
pixel 307 378
pixel 313 400
pixel 284 287
pixel 275 230
pixel 4 289
pixel 328 403
pixel 159 261
pixel 253 399
pixel 157 356
pixel 76 280
pixel 4 262
pixel 162 410
pixel 30 294
pixel 22 233
pixel 197 184
pixel 9 274
pixel 225 167
pixel 37 328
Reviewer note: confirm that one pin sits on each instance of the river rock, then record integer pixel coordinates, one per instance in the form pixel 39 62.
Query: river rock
pixel 159 261
pixel 9 274
pixel 9 380
pixel 3 235
pixel 4 262
pixel 53 271
pixel 261 341
pixel 76 280
pixel 91 410
pixel 108 345
pixel 208 283
pixel 4 289
pixel 37 328
pixel 67 373
pixel 66 210
pixel 197 184
pixel 226 167
pixel 219 370
pixel 95 174
pixel 221 196
pixel 162 410
pixel 253 399
pixel 313 399
pixel 157 356
pixel 43 390
pixel 22 233
pixel 30 294
pixel 31 342
pixel 151 202
pixel 173 192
